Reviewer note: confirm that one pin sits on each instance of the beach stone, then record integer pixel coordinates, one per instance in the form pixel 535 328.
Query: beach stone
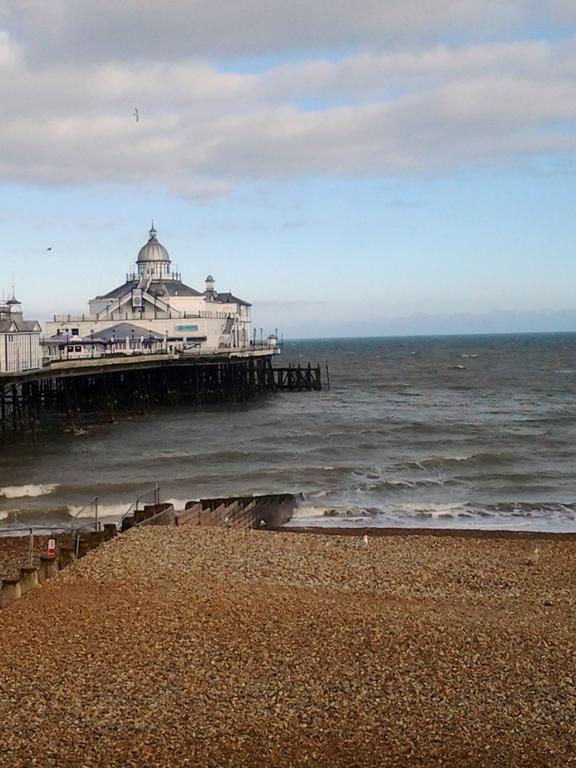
pixel 225 647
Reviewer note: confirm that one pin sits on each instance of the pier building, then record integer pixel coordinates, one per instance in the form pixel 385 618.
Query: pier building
pixel 20 348
pixel 151 342
pixel 154 304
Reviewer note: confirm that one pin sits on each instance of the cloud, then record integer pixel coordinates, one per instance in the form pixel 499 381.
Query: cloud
pixel 148 30
pixel 203 130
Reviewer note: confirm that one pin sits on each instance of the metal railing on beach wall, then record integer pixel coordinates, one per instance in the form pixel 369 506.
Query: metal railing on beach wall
pixel 79 523
pixel 151 492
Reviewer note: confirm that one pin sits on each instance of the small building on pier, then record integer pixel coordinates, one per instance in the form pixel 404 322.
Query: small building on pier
pixel 20 348
pixel 154 300
pixel 120 339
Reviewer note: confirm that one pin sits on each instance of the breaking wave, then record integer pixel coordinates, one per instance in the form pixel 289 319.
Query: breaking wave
pixel 27 491
pixel 450 462
pixel 512 516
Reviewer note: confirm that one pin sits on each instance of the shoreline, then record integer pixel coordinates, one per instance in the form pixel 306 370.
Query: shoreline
pixel 465 533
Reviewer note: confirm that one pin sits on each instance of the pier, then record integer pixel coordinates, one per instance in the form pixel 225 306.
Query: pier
pixel 77 391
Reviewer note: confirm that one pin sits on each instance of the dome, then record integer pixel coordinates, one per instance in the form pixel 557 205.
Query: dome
pixel 153 250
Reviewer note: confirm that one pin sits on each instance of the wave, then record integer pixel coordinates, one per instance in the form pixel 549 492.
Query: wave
pixel 446 462
pixel 41 516
pixel 327 513
pixel 27 491
pixel 377 483
pixel 104 510
pixel 403 485
pixel 511 516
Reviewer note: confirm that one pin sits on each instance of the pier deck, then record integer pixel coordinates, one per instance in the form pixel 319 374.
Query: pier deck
pixel 112 385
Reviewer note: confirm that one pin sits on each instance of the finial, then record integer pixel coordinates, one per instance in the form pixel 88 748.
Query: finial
pixel 152 230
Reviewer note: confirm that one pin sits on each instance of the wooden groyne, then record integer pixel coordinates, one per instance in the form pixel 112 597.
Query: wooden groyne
pixel 268 512
pixel 79 391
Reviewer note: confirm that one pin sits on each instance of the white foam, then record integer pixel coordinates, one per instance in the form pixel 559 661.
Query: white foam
pixel 104 510
pixel 433 511
pixel 307 512
pixel 178 504
pixel 21 491
pixel 327 515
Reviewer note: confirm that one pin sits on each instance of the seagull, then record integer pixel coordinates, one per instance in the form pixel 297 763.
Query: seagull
pixel 136 114
pixel 364 540
pixel 262 524
pixel 49 249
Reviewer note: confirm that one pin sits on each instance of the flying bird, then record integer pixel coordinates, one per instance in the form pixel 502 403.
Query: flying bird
pixel 136 114
pixel 49 249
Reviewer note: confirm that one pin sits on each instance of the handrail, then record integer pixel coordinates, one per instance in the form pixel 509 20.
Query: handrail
pixel 7 530
pixel 62 528
pixel 134 505
pixel 93 501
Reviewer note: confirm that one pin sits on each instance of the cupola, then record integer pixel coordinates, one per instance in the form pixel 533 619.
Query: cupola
pixel 153 259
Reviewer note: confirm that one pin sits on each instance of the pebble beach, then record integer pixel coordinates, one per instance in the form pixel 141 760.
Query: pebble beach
pixel 214 647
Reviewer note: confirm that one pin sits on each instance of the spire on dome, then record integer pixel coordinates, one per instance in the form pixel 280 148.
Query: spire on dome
pixel 152 231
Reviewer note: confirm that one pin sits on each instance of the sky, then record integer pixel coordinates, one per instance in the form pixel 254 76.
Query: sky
pixel 351 167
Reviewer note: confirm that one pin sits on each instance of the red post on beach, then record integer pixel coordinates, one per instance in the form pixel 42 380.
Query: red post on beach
pixel 51 547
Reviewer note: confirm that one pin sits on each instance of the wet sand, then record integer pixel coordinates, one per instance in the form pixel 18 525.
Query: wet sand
pixel 214 647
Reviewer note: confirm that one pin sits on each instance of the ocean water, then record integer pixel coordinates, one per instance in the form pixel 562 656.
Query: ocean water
pixel 456 432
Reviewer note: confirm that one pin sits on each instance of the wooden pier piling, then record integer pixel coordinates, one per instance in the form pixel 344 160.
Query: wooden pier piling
pixel 76 394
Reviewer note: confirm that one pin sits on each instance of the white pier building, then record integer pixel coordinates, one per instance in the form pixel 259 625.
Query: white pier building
pixel 20 348
pixel 153 309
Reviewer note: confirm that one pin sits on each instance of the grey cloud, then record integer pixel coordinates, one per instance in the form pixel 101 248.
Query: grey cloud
pixel 149 30
pixel 202 131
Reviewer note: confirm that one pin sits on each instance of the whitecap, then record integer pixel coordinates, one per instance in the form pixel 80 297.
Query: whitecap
pixel 21 491
pixel 104 510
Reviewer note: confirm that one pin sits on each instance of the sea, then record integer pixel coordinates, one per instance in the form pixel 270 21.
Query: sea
pixel 466 432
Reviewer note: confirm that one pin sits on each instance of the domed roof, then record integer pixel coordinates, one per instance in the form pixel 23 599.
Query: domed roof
pixel 153 250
